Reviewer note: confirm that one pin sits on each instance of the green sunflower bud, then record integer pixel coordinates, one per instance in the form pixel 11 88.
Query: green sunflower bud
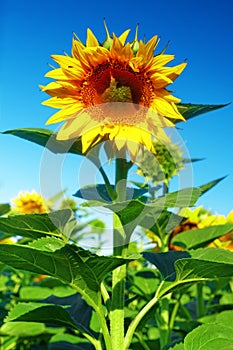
pixel 135 42
pixel 109 40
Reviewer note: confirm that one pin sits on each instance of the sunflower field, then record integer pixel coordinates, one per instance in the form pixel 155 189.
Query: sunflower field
pixel 166 281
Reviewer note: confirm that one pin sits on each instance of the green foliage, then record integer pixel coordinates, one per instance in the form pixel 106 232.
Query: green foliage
pixel 4 208
pixel 55 294
pixel 69 263
pixel 189 110
pixel 47 138
pixel 36 225
pixel 161 166
pixel 213 335
pixel 201 237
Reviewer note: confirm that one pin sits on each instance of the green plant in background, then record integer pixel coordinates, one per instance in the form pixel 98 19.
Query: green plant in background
pixel 159 168
pixel 54 293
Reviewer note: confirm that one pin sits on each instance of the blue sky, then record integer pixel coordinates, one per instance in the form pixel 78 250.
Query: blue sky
pixel 199 31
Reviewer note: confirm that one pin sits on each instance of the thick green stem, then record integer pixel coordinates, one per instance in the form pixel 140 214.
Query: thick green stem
pixel 163 322
pixel 118 275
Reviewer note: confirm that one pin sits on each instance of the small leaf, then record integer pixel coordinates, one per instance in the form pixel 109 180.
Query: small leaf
pixel 47 244
pixel 189 110
pixel 197 238
pixel 4 208
pixel 64 337
pixel 209 185
pixel 99 192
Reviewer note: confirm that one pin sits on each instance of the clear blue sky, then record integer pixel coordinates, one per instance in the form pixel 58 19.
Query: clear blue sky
pixel 199 31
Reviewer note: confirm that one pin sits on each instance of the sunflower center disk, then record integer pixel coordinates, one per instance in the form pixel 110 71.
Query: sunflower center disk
pixel 117 92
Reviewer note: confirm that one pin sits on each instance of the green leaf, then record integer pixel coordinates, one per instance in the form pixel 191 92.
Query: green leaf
pixel 80 268
pixel 132 213
pixel 162 224
pixel 47 244
pixel 205 263
pixel 99 192
pixel 47 138
pixel 189 110
pixel 8 343
pixel 179 346
pixel 209 185
pixel 4 208
pixel 38 293
pixel 36 225
pixel 69 338
pixel 34 293
pixel 41 313
pixel 215 335
pixel 165 262
pixel 191 239
pixel 22 329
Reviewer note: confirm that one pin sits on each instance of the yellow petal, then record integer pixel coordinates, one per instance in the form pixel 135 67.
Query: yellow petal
pixel 65 113
pixel 76 127
pixel 91 39
pixel 161 60
pixel 124 36
pixel 57 73
pixel 57 102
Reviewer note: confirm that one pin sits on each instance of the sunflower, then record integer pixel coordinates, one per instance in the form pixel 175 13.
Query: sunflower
pixel 113 91
pixel 30 203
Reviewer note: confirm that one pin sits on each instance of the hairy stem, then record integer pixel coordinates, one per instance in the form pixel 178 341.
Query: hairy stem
pixel 119 249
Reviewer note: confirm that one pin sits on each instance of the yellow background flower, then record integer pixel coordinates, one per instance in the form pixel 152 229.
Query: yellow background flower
pixel 30 203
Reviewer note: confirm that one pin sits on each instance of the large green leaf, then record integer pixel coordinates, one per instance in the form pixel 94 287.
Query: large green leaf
pixel 202 265
pixel 215 335
pixel 73 265
pixel 4 208
pixel 42 313
pixel 47 138
pixel 207 263
pixel 189 110
pixel 200 237
pixel 36 225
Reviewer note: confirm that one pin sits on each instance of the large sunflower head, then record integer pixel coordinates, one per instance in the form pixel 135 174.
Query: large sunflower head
pixel 113 91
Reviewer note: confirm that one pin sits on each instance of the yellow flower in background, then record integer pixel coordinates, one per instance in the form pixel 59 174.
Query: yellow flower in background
pixel 201 218
pixel 95 76
pixel 30 203
pixel 7 240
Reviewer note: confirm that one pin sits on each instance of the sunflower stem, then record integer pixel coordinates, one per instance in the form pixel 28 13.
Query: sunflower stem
pixel 119 249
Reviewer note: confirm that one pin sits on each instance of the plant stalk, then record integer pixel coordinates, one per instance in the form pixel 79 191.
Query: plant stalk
pixel 120 250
